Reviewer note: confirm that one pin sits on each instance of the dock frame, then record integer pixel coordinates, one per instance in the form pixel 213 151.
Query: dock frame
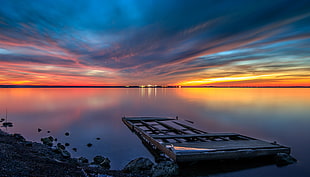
pixel 181 142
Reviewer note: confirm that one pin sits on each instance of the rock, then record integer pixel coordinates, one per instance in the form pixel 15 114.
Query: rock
pixel 39 129
pixel 283 159
pixel 106 163
pixel 65 154
pixel 139 166
pixel 74 149
pixel 51 138
pixel 98 138
pixel 19 137
pixel 67 133
pixel 94 166
pixel 165 169
pixel 56 149
pixel 67 144
pixel 102 162
pixel 47 141
pixel 28 144
pixel 7 124
pixel 60 146
pixel 82 160
pixel 89 145
pixel 98 160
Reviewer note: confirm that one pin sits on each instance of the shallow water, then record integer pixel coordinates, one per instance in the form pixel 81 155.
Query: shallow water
pixel 272 114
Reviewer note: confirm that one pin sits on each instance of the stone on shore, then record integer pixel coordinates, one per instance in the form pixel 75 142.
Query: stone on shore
pixel 20 157
pixel 102 161
pixel 60 146
pixel 48 141
pixel 24 158
pixel 140 166
pixel 65 154
pixel 82 160
pixel 165 169
pixel 19 137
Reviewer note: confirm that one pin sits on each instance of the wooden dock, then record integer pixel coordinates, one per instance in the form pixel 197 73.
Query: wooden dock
pixel 181 142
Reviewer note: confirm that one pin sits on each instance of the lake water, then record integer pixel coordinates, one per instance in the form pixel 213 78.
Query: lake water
pixel 272 114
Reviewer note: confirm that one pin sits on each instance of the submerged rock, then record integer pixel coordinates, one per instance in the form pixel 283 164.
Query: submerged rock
pixel 67 144
pixel 165 169
pixel 139 166
pixel 7 124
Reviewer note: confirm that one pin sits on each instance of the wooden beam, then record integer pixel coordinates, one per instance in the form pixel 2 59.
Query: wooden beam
pixel 229 145
pixel 190 128
pixel 195 135
pixel 146 118
pixel 178 131
pixel 150 127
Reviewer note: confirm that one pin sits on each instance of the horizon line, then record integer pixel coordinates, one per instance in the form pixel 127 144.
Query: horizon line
pixel 140 86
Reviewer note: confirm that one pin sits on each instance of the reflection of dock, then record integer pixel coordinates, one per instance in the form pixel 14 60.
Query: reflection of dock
pixel 180 141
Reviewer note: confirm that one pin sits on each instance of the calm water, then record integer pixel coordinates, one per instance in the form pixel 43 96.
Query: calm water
pixel 281 114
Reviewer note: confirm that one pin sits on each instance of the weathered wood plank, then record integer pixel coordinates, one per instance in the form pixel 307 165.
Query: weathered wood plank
pixel 189 127
pixel 228 145
pixel 150 127
pixel 145 118
pixel 195 135
pixel 178 131
pixel 220 155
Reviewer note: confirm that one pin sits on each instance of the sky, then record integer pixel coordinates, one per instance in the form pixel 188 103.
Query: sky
pixel 157 42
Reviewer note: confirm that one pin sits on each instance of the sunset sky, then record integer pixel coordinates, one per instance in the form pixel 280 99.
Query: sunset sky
pixel 158 42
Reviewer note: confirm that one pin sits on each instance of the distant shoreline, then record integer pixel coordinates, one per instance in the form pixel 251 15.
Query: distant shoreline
pixel 64 86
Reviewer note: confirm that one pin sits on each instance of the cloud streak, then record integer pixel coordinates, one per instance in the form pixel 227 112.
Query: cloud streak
pixel 153 42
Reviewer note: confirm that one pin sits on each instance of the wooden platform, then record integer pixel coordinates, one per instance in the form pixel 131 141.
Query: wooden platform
pixel 180 141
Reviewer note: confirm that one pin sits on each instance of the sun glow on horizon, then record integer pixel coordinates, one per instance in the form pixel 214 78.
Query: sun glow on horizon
pixel 258 80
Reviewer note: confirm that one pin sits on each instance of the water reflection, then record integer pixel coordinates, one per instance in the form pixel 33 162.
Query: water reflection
pixel 88 113
pixel 255 99
pixel 148 91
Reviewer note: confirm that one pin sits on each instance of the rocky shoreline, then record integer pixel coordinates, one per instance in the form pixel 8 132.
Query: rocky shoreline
pixel 20 157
